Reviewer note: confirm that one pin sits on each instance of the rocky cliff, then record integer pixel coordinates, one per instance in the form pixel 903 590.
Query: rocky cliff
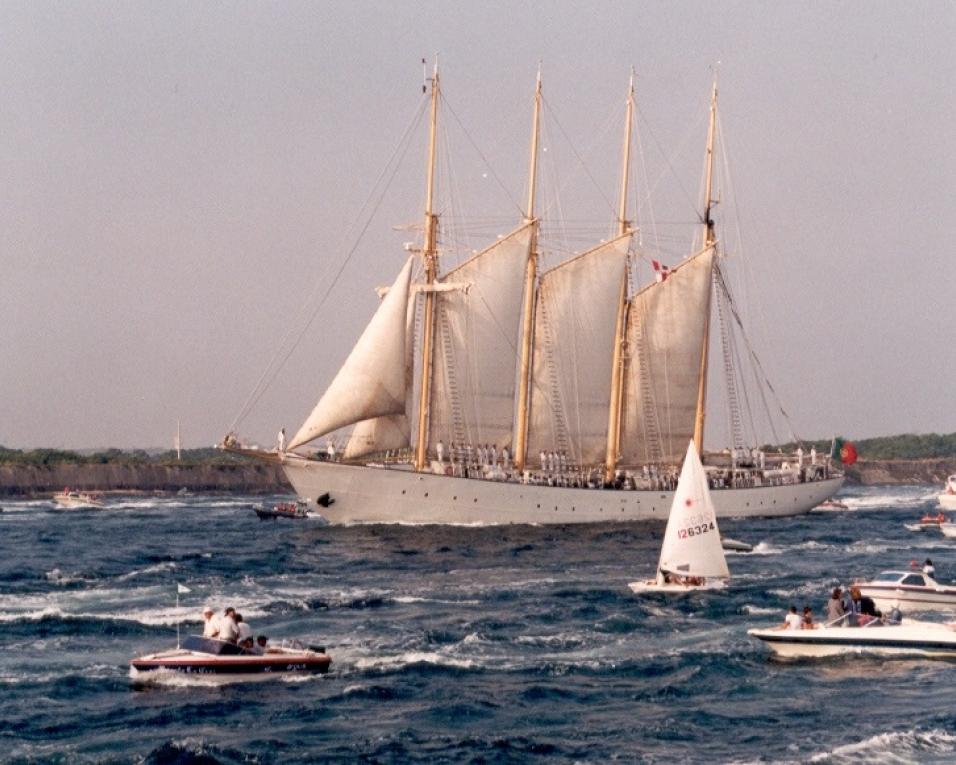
pixel 929 471
pixel 240 477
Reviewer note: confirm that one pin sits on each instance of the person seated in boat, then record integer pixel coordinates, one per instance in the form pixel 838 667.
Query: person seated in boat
pixel 808 623
pixel 210 627
pixel 261 646
pixel 245 631
pixel 228 629
pixel 836 609
pixel 792 621
pixel 248 645
pixel 864 607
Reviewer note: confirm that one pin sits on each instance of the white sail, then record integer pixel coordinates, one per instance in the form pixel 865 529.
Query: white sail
pixel 377 435
pixel 372 382
pixel 476 345
pixel 691 545
pixel 575 320
pixel 665 335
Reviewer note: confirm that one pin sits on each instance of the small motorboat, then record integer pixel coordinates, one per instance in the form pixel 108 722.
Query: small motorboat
pixel 913 590
pixel 947 500
pixel 927 522
pixel 294 510
pixel 199 655
pixel 908 638
pixel 736 545
pixel 832 504
pixel 73 500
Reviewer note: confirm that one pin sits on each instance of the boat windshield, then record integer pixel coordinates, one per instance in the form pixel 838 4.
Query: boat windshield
pixel 210 645
pixel 888 576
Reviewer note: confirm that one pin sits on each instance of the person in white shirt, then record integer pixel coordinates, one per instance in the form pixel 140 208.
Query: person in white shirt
pixel 792 621
pixel 281 440
pixel 228 629
pixel 210 627
pixel 245 631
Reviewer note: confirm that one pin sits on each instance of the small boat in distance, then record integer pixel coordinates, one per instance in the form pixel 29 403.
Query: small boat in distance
pixel 832 504
pixel 212 657
pixel 292 510
pixel 909 638
pixel 692 557
pixel 947 500
pixel 913 590
pixel 927 522
pixel 73 500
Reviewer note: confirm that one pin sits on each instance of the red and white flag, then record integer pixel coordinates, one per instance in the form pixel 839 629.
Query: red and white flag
pixel 661 271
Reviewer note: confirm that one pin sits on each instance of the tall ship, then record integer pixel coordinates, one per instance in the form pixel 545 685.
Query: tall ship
pixel 498 391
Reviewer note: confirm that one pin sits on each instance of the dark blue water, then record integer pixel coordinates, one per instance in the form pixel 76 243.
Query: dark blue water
pixel 451 644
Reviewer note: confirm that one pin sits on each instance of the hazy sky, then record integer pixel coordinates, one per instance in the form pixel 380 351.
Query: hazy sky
pixel 179 177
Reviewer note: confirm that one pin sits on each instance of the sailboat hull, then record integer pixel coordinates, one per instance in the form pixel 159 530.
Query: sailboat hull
pixel 361 494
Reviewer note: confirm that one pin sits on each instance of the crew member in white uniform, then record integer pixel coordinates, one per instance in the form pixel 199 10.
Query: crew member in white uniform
pixel 210 628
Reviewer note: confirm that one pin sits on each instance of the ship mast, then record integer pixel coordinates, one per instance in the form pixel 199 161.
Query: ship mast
pixel 617 363
pixel 709 241
pixel 430 263
pixel 524 380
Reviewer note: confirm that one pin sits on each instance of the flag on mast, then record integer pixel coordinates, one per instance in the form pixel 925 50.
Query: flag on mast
pixel 181 588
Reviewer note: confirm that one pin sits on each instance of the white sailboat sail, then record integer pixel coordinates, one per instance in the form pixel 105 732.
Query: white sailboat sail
pixel 575 319
pixel 691 545
pixel 667 328
pixel 372 382
pixel 476 342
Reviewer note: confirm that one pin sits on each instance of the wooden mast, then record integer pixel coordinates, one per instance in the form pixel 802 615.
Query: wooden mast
pixel 617 363
pixel 709 241
pixel 430 263
pixel 531 274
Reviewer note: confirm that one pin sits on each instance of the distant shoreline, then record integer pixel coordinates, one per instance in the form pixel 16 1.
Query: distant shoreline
pixel 246 478
pixel 262 478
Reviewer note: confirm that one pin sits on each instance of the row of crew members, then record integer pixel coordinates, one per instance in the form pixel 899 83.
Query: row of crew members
pixel 231 627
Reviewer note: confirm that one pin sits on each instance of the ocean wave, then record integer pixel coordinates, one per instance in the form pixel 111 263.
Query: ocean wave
pixel 913 746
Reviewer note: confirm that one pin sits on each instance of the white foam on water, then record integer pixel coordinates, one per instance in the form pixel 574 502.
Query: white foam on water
pixel 154 569
pixel 766 548
pixel 892 748
pixel 747 608
pixel 410 658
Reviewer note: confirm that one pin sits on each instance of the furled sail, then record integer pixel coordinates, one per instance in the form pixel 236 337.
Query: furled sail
pixel 691 545
pixel 666 331
pixel 372 382
pixel 575 319
pixel 476 345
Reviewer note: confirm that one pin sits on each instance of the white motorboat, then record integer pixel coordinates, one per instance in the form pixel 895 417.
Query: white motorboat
pixel 947 500
pixel 913 590
pixel 909 638
pixel 948 529
pixel 692 557
pixel 74 500
pixel 927 523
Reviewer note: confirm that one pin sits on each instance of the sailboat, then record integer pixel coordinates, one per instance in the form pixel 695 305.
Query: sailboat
pixel 522 395
pixel 692 556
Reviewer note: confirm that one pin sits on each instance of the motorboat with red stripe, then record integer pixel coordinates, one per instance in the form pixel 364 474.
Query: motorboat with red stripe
pixel 210 656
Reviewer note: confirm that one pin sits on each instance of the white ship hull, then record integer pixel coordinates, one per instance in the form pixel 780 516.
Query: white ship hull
pixel 361 494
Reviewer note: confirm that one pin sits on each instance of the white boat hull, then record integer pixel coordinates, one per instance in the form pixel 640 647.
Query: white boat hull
pixel 361 494
pixel 947 501
pixel 651 587
pixel 912 638
pixel 911 598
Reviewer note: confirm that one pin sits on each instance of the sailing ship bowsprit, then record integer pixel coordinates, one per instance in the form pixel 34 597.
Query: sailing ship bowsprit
pixel 530 396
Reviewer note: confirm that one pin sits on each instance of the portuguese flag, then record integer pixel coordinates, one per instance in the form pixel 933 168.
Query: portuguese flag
pixel 845 451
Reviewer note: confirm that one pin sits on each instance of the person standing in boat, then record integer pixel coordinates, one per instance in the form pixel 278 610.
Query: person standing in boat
pixel 281 441
pixel 836 609
pixel 929 569
pixel 210 627
pixel 245 631
pixel 228 629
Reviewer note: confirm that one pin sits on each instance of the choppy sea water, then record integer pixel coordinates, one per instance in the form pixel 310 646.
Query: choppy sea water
pixel 452 644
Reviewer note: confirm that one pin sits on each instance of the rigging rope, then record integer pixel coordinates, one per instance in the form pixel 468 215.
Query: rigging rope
pixel 276 363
